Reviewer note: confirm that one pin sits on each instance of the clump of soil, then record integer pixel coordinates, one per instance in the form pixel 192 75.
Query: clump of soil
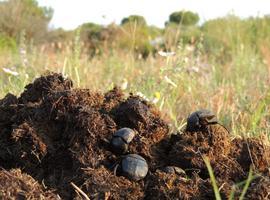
pixel 60 137
pixel 27 146
pixel 259 189
pixel 17 185
pixel 42 86
pixel 251 152
pixel 188 149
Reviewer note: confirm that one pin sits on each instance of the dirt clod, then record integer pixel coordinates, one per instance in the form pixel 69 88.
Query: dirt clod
pixel 59 138
pixel 17 185
pixel 188 149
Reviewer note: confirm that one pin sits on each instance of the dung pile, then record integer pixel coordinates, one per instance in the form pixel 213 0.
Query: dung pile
pixel 60 138
pixel 17 185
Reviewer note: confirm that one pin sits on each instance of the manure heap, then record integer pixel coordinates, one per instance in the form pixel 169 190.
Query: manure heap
pixel 59 142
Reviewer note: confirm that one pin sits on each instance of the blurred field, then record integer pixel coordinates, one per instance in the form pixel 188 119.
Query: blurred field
pixel 223 65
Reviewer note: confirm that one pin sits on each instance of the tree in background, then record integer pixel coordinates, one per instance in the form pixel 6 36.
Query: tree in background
pixel 186 18
pixel 92 35
pixel 182 27
pixel 91 31
pixel 134 19
pixel 24 16
pixel 136 35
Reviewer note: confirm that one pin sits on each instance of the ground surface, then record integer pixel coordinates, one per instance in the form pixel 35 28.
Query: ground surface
pixel 53 137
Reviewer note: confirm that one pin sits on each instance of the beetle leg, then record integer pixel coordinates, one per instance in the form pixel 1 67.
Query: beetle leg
pixel 208 131
pixel 115 169
pixel 106 140
pixel 223 127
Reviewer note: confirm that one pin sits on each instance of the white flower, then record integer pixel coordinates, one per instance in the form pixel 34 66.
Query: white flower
pixel 186 59
pixel 10 72
pixel 168 80
pixel 194 69
pixel 155 100
pixel 124 84
pixel 142 96
pixel 22 51
pixel 166 54
pixel 139 94
pixel 157 41
pixel 25 61
pixel 190 48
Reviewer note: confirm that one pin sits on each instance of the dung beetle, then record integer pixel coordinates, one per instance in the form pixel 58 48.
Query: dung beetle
pixel 134 167
pixel 174 170
pixel 121 139
pixel 199 119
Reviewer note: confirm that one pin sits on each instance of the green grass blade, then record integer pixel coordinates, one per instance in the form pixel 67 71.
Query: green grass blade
pixel 212 177
pixel 231 197
pixel 246 184
pixel 248 181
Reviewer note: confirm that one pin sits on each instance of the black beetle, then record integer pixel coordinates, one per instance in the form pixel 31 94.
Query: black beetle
pixel 199 119
pixel 134 167
pixel 121 139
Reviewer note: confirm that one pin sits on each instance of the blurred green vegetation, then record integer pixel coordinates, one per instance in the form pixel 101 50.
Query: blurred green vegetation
pixel 24 15
pixel 7 43
pixel 220 38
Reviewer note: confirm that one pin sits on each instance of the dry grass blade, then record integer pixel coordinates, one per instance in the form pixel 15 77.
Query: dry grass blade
pixel 80 191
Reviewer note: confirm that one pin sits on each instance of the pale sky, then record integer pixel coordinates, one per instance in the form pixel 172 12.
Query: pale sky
pixel 68 14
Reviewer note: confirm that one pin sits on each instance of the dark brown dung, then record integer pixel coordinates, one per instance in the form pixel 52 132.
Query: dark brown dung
pixel 55 144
